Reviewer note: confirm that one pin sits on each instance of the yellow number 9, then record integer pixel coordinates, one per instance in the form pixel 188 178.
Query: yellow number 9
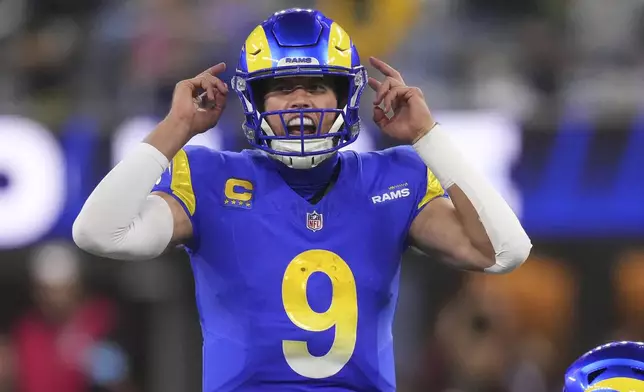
pixel 342 313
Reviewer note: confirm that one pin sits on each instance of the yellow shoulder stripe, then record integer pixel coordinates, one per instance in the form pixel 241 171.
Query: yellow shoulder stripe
pixel 434 189
pixel 181 185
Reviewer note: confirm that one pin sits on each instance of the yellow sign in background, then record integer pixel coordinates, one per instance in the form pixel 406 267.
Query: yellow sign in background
pixel 375 26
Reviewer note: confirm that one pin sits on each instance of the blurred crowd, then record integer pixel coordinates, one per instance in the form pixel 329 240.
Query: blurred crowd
pixel 80 326
pixel 65 339
pixel 111 58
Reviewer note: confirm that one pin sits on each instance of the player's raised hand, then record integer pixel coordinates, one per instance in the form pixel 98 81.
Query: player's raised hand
pixel 411 117
pixel 199 102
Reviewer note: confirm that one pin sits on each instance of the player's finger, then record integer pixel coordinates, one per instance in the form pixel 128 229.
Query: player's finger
pixel 210 88
pixel 220 100
pixel 207 85
pixel 216 69
pixel 380 117
pixel 221 92
pixel 209 104
pixel 185 89
pixel 387 85
pixel 210 83
pixel 385 69
pixel 395 93
pixel 388 100
pixel 381 91
pixel 219 84
pixel 214 106
pixel 374 83
pixel 384 87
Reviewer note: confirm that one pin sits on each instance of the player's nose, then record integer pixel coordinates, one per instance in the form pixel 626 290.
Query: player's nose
pixel 299 99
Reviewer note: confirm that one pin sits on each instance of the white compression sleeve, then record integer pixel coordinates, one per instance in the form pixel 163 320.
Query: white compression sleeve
pixel 120 219
pixel 511 244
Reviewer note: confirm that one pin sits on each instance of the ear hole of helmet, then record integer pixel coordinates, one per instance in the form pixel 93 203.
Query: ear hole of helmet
pixel 593 375
pixel 638 371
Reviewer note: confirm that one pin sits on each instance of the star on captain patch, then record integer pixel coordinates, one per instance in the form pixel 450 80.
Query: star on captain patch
pixel 314 221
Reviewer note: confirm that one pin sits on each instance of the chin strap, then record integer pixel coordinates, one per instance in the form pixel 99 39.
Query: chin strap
pixel 295 146
pixel 306 162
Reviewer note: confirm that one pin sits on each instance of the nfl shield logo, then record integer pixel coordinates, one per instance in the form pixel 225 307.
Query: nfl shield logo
pixel 314 221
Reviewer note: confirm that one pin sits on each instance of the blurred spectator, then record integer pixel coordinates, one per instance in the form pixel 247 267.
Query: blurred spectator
pixel 629 296
pixel 7 365
pixel 48 52
pixel 52 42
pixel 505 333
pixel 62 344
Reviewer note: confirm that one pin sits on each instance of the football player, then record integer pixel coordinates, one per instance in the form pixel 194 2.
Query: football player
pixel 613 367
pixel 296 246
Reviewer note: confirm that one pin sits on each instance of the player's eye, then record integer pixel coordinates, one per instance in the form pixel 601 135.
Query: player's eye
pixel 317 88
pixel 286 88
pixel 278 87
pixel 281 88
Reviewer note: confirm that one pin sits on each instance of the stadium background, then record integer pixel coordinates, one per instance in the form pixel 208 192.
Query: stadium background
pixel 544 96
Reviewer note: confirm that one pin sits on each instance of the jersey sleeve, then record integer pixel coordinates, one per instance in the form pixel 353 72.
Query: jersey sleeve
pixel 425 184
pixel 432 189
pixel 180 181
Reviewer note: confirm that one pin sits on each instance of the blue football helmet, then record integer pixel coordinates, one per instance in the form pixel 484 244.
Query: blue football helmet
pixel 300 42
pixel 614 367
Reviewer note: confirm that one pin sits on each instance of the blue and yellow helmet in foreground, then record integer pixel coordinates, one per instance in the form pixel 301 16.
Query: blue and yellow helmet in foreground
pixel 300 42
pixel 614 367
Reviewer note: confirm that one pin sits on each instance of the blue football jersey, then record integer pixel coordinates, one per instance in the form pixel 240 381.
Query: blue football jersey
pixel 295 296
